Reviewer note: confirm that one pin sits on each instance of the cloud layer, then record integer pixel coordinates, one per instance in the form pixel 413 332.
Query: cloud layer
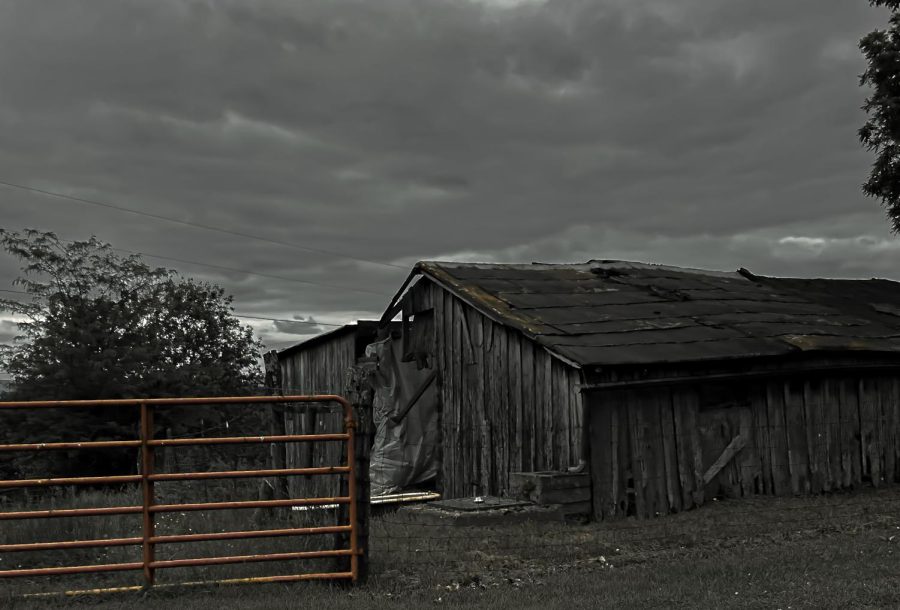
pixel 707 134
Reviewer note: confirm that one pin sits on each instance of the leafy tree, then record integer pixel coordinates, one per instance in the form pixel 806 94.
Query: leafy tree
pixel 881 132
pixel 97 325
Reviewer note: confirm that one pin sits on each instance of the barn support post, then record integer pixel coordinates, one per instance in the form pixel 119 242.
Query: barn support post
pixel 359 393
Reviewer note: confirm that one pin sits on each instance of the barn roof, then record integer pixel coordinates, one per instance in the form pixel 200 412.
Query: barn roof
pixel 317 339
pixel 617 312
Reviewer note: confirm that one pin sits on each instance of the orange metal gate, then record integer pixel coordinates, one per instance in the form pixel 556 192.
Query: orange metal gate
pixel 149 509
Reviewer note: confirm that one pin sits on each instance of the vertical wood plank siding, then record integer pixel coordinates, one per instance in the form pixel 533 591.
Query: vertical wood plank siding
pixel 650 449
pixel 507 404
pixel 316 370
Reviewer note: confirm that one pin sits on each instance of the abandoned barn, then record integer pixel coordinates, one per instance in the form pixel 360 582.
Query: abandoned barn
pixel 670 386
pixel 320 366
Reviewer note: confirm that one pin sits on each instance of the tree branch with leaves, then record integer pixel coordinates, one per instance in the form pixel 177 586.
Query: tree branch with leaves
pixel 881 132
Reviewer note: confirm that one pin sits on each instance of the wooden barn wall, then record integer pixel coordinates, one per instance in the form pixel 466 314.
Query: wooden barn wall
pixel 507 404
pixel 316 370
pixel 651 448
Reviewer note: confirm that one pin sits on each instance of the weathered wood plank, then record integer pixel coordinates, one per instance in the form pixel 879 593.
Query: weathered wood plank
pixel 514 366
pixel 684 448
pixel 639 467
pixel 691 405
pixel 815 437
pixel 560 415
pixel 576 407
pixel 528 408
pixel 620 453
pixel 848 428
pixel 541 461
pixel 501 412
pixel 748 460
pixel 760 424
pixel 473 389
pixel 437 338
pixel 451 428
pixel 603 461
pixel 733 447
pixel 670 450
pixel 778 439
pixel 655 447
pixel 869 409
pixel 492 401
pixel 645 409
pixel 796 429
pixel 832 413
pixel 472 381
pixel 550 457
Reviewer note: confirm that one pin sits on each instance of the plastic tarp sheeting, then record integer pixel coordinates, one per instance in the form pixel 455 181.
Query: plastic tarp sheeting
pixel 404 453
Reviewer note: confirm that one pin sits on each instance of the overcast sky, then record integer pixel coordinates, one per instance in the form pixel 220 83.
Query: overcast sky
pixel 709 134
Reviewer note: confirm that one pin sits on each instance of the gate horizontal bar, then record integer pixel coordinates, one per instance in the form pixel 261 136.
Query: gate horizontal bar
pixel 237 474
pixel 88 544
pixel 288 578
pixel 112 480
pixel 218 561
pixel 297 531
pixel 146 443
pixel 170 402
pixel 71 512
pixel 174 508
pixel 229 440
pixel 110 567
pixel 203 583
pixel 69 544
pixel 177 442
pixel 69 445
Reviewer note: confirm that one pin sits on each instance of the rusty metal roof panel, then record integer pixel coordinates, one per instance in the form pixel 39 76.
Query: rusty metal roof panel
pixel 620 312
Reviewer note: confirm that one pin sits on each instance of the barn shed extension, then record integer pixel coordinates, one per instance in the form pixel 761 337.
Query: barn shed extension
pixel 670 386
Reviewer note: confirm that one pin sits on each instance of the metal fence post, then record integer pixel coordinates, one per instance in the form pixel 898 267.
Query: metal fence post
pixel 364 434
pixel 350 429
pixel 148 530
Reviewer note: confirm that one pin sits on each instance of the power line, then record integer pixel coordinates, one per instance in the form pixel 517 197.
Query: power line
pixel 197 225
pixel 238 315
pixel 247 271
pixel 237 270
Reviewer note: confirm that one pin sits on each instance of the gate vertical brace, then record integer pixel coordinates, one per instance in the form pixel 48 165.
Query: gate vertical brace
pixel 350 426
pixel 359 395
pixel 149 525
pixel 364 434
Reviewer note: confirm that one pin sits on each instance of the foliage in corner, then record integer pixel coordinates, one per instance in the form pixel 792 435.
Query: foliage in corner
pixel 881 132
pixel 96 325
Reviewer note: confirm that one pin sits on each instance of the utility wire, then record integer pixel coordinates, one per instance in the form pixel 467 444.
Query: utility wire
pixel 247 271
pixel 238 315
pixel 237 270
pixel 196 225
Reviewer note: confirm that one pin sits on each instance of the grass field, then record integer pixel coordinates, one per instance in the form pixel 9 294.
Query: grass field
pixel 840 551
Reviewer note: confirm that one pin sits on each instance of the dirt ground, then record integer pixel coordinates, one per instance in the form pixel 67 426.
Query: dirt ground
pixel 838 551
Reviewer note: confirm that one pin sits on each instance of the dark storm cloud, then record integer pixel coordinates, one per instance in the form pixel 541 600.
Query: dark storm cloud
pixel 711 134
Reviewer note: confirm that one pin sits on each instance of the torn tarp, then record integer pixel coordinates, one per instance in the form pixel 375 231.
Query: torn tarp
pixel 404 452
